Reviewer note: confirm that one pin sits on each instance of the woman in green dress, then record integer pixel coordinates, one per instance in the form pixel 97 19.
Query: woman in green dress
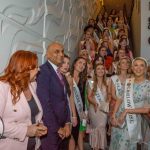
pixel 134 106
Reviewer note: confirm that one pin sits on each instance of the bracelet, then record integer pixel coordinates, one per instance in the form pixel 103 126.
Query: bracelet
pixel 74 117
pixel 67 123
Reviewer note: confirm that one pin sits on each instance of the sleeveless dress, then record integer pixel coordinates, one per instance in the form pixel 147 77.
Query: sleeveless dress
pixel 98 121
pixel 120 139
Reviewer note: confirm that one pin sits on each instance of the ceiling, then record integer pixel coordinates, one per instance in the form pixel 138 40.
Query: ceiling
pixel 118 4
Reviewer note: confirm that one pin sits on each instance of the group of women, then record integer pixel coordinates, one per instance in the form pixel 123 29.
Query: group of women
pixel 108 92
pixel 117 86
pixel 122 101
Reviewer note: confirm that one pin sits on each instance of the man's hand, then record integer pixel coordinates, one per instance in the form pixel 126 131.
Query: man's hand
pixel 67 130
pixel 61 133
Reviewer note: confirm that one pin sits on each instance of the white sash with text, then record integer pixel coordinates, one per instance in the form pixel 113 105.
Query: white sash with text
pixel 129 104
pixel 117 84
pixel 77 99
pixel 98 95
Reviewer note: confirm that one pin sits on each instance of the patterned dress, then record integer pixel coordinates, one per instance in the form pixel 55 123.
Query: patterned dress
pixel 119 94
pixel 120 139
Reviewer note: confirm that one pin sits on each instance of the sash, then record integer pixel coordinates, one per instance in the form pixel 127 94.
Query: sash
pixel 1 128
pixel 129 104
pixel 69 106
pixel 77 99
pixel 98 95
pixel 117 84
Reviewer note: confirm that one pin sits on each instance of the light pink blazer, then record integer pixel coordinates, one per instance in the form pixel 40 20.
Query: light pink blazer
pixel 16 123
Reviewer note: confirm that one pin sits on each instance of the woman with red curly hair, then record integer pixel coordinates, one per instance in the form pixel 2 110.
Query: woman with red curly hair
pixel 20 108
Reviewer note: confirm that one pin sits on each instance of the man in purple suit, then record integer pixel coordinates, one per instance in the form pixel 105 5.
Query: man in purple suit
pixel 52 94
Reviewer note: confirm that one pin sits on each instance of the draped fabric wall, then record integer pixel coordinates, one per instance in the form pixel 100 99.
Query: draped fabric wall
pixel 32 24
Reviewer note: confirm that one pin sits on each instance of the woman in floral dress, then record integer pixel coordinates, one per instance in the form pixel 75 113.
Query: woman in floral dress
pixel 129 135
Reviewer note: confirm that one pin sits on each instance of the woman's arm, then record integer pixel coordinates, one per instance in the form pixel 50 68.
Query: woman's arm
pixel 91 98
pixel 116 107
pixel 12 130
pixel 143 110
pixel 71 99
pixel 72 104
pixel 109 82
pixel 73 109
pixel 15 129
pixel 117 100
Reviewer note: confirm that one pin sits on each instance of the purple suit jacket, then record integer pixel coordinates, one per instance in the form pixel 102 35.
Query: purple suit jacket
pixel 55 106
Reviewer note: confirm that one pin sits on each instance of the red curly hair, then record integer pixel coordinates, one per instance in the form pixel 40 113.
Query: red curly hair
pixel 17 72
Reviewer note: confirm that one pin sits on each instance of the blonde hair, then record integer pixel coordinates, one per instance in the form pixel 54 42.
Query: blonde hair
pixel 118 69
pixel 140 58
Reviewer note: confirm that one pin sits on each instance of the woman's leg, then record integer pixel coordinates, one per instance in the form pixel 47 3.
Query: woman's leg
pixel 72 145
pixel 81 140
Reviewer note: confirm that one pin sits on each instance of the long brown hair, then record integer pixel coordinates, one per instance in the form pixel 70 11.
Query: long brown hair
pixel 96 80
pixel 83 74
pixel 17 72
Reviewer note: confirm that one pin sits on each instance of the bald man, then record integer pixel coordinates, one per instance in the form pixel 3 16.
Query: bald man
pixel 53 97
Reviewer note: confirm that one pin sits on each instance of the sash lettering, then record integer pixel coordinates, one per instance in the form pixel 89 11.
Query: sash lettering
pixel 118 85
pixel 129 104
pixel 98 95
pixel 77 99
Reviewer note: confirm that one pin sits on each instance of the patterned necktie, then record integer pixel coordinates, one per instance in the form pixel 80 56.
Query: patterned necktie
pixel 60 77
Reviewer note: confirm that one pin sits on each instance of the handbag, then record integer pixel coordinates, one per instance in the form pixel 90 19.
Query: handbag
pixel 1 128
pixel 104 106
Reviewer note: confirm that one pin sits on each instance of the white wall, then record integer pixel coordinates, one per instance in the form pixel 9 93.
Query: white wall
pixel 32 24
pixel 145 32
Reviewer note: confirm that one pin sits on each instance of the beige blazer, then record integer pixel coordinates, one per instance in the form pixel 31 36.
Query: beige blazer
pixel 16 122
